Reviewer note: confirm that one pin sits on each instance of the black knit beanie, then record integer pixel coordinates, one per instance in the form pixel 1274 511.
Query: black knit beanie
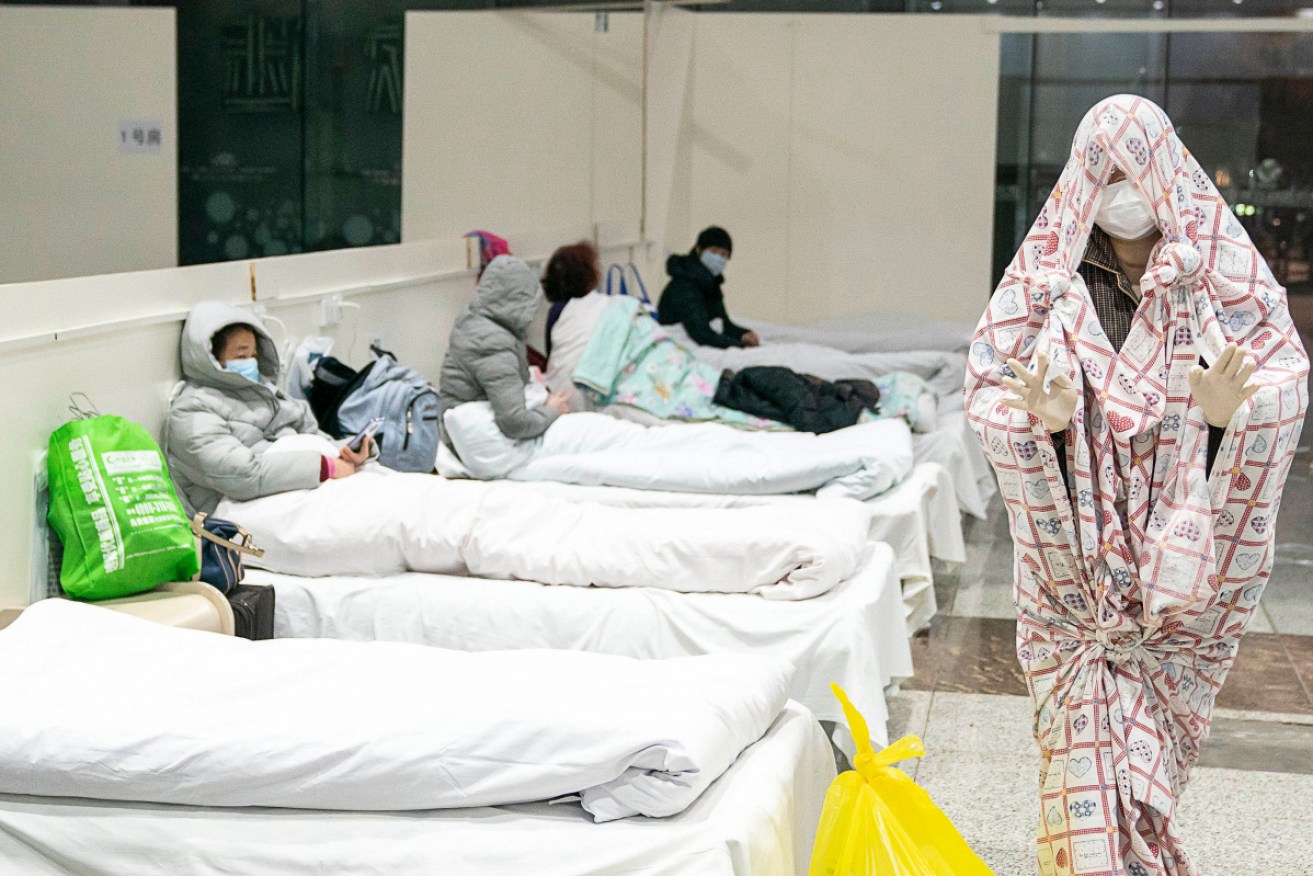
pixel 715 236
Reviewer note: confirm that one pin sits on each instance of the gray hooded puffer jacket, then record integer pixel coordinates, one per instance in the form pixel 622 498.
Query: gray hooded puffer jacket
pixel 486 358
pixel 220 423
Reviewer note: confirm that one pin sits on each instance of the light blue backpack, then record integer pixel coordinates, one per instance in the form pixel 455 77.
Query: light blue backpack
pixel 408 405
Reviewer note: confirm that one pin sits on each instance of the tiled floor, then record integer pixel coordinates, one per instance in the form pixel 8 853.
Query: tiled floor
pixel 981 766
pixel 1249 806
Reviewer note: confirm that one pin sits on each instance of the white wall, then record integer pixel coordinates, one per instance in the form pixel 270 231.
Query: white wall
pixel 519 121
pixel 824 143
pixel 71 203
pixel 851 157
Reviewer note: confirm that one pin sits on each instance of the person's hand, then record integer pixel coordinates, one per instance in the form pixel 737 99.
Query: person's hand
pixel 1221 389
pixel 344 468
pixel 356 458
pixel 750 339
pixel 560 401
pixel 1055 407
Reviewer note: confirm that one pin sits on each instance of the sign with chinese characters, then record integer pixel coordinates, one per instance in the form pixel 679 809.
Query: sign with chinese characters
pixel 262 65
pixel 141 136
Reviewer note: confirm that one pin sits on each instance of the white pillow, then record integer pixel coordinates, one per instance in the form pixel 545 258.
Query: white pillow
pixel 482 446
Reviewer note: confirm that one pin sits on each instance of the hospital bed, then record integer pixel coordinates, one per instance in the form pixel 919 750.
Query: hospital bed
pixel 950 443
pixel 758 819
pixel 192 747
pixel 854 635
pixel 701 465
pixel 918 519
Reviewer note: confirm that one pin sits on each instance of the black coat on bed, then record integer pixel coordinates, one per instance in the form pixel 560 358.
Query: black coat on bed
pixel 806 403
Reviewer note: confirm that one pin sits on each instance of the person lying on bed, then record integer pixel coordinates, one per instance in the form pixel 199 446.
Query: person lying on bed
pixel 486 356
pixel 229 412
pixel 693 297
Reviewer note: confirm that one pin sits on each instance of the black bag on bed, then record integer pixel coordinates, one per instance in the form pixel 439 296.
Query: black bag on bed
pixel 253 609
pixel 333 381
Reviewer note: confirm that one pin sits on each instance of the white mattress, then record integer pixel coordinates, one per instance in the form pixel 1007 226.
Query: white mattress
pixel 758 819
pixel 954 446
pixel 854 635
pixel 919 519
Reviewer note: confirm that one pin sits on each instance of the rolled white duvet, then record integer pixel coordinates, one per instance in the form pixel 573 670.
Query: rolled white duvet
pixel 856 462
pixel 102 705
pixel 383 523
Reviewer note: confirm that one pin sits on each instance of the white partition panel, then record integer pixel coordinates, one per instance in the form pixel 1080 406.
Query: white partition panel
pixel 78 194
pixel 738 160
pixel 617 97
pixel 520 120
pixel 850 156
pixel 891 185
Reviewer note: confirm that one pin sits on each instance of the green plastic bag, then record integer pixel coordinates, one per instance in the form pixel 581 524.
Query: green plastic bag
pixel 115 511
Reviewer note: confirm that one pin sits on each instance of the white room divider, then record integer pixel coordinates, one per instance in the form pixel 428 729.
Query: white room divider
pixel 520 120
pixel 850 156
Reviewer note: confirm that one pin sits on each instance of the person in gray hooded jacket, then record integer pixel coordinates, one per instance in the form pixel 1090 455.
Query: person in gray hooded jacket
pixel 486 358
pixel 229 413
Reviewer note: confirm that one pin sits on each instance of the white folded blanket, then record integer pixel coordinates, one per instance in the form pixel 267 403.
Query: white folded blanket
pixel 379 522
pixel 102 705
pixel 857 462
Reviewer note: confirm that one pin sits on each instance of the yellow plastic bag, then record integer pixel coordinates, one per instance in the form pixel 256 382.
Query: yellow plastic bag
pixel 878 822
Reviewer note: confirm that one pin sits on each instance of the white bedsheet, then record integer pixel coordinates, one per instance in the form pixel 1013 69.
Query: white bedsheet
pixel 380 522
pixel 103 705
pixel 953 445
pixel 853 635
pixel 857 462
pixel 758 819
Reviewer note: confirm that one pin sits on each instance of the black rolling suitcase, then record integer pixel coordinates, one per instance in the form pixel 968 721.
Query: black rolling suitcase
pixel 253 609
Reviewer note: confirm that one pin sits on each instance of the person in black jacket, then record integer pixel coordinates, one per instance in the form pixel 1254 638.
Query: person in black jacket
pixel 693 297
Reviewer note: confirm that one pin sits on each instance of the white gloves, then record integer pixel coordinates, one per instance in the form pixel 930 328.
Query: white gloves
pixel 1055 407
pixel 1221 389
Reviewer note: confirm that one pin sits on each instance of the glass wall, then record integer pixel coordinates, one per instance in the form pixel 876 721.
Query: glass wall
pixel 290 126
pixel 1242 103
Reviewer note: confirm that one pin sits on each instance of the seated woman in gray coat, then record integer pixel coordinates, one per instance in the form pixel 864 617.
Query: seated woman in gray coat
pixel 486 358
pixel 230 412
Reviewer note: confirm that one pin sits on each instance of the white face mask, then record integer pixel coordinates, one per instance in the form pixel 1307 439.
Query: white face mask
pixel 715 262
pixel 1123 213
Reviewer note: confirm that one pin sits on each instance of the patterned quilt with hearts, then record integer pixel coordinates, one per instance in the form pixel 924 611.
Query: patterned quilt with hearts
pixel 1134 587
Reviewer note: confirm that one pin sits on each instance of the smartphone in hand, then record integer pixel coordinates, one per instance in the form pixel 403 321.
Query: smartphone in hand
pixel 368 432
